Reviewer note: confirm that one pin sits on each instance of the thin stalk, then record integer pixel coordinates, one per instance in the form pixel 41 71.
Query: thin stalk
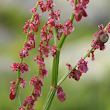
pixel 55 69
pixel 17 85
pixel 49 99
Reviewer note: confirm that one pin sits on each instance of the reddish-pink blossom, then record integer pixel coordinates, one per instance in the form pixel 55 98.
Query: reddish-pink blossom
pixel 68 28
pixel 23 53
pixel 72 3
pixel 12 88
pixel 92 55
pixel 46 7
pixel 24 68
pixel 37 87
pixel 15 66
pixel 23 82
pixel 75 74
pixel 60 94
pixel 97 45
pixel 33 10
pixel 55 14
pixel 69 66
pixel 43 72
pixel 79 9
pixel 53 51
pixel 37 19
pixel 82 65
pixel 51 22
pixel 26 26
pixel 29 100
pixel 59 30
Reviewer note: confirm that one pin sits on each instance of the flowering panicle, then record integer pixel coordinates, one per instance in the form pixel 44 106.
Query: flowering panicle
pixel 46 33
pixel 31 26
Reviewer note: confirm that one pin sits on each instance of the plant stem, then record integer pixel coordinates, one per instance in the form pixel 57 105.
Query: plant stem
pixel 49 99
pixel 55 69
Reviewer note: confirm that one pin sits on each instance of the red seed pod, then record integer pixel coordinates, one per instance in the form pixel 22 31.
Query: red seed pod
pixel 102 37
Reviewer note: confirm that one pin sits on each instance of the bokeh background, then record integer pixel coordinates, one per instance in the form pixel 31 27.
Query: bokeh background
pixel 92 91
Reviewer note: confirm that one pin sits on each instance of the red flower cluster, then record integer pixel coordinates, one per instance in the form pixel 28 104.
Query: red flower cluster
pixel 59 30
pixel 13 88
pixel 60 94
pixel 68 28
pixel 55 14
pixel 33 25
pixel 82 68
pixel 79 9
pixel 35 93
pixel 82 65
pixel 22 66
pixel 23 82
pixel 46 7
pixel 53 51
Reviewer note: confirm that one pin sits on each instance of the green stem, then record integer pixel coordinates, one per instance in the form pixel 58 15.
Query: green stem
pixel 49 99
pixel 17 85
pixel 55 69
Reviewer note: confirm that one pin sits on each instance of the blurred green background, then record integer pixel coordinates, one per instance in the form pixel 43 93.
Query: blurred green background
pixel 91 92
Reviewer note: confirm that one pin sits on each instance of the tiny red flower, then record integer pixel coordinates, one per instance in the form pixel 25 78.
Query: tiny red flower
pixel 68 28
pixel 23 82
pixel 12 88
pixel 82 65
pixel 53 51
pixel 33 10
pixel 23 53
pixel 60 94
pixel 69 66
